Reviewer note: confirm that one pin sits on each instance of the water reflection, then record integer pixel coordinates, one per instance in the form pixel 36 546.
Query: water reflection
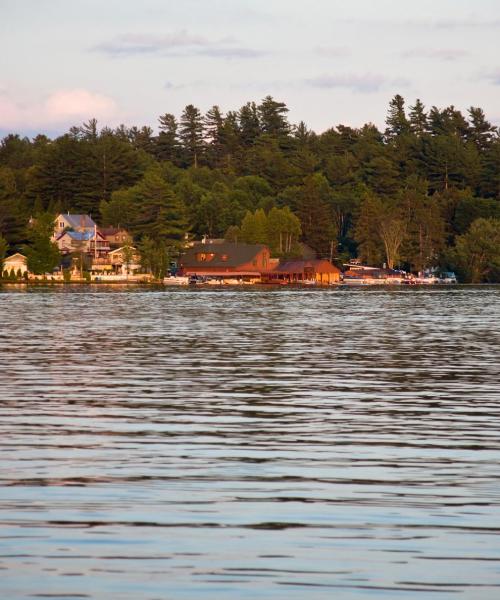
pixel 243 444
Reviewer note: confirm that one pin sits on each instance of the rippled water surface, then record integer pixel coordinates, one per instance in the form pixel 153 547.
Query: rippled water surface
pixel 257 443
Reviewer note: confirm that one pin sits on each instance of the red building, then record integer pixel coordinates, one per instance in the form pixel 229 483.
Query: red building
pixel 316 271
pixel 226 259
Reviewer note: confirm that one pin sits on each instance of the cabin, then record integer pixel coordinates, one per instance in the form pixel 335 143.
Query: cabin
pixel 88 242
pixel 225 260
pixel 115 236
pixel 317 271
pixel 67 222
pixel 17 262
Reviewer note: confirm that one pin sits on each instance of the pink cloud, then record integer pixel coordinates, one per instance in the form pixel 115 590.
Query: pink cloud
pixel 79 103
pixel 61 108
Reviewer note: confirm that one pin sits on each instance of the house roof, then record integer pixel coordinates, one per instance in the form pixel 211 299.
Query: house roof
pixel 298 266
pixel 112 230
pixel 77 221
pixel 16 256
pixel 132 248
pixel 237 254
pixel 80 236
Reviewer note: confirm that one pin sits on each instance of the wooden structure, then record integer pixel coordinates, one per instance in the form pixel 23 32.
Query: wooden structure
pixel 226 260
pixel 115 236
pixel 316 271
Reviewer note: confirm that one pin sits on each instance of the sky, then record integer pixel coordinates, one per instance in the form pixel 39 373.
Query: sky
pixel 63 62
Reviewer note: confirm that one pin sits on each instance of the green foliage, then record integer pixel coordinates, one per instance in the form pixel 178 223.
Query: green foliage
pixel 204 173
pixel 477 252
pixel 41 253
pixel 155 257
pixel 254 228
pixel 66 275
pixel 3 251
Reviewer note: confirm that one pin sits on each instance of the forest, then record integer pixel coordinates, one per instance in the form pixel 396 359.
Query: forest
pixel 424 192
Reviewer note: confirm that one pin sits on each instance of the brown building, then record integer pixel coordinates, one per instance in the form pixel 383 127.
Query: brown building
pixel 116 236
pixel 316 271
pixel 226 259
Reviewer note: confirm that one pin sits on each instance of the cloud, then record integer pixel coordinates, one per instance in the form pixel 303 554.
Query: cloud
pixel 439 24
pixel 363 84
pixel 61 108
pixel 492 76
pixel 332 51
pixel 446 54
pixel 179 44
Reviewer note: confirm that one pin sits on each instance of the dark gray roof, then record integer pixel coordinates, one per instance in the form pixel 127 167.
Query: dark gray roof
pixel 237 254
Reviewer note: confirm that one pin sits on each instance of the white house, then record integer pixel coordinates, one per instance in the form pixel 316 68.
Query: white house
pixel 16 262
pixel 80 223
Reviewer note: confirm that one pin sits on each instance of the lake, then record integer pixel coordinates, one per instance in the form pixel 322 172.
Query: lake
pixel 255 443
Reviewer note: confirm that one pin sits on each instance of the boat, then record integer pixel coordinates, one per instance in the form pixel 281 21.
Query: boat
pixel 175 280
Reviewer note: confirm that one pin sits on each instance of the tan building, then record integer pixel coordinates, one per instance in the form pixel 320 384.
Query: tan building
pixel 115 236
pixel 122 264
pixel 16 262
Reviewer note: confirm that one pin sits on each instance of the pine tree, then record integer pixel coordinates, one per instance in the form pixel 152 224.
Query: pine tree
pixel 418 119
pixel 42 255
pixel 397 123
pixel 191 134
pixel 249 123
pixel 272 116
pixel 213 133
pixel 167 143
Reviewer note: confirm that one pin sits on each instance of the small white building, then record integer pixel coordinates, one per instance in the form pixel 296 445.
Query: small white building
pixel 16 262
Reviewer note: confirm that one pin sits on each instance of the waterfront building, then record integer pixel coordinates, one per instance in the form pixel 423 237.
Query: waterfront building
pixel 226 260
pixel 115 236
pixel 17 262
pixel 88 242
pixel 317 271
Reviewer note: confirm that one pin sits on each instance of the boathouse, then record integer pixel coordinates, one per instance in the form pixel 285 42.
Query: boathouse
pixel 318 271
pixel 226 259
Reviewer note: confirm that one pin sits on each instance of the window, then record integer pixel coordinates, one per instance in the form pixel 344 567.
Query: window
pixel 204 256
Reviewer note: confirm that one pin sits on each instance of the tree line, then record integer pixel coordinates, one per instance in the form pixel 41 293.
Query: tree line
pixel 423 192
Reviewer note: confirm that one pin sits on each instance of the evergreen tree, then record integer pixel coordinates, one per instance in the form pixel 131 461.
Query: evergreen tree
pixel 160 213
pixel 42 254
pixel 397 123
pixel 272 117
pixel 167 143
pixel 481 131
pixel 249 123
pixel 477 252
pixel 214 134
pixel 314 211
pixel 3 252
pixel 418 119
pixel 370 246
pixel 191 134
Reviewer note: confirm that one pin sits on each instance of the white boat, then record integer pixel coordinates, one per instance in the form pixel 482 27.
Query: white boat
pixel 174 280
